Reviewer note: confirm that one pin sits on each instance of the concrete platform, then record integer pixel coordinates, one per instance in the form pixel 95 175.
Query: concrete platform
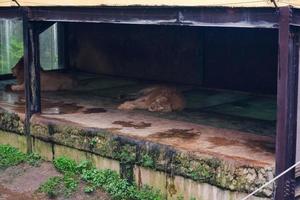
pixel 223 138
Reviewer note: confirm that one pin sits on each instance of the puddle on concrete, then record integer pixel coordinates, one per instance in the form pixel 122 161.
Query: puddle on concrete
pixel 131 124
pixel 59 108
pixel 16 102
pixel 186 134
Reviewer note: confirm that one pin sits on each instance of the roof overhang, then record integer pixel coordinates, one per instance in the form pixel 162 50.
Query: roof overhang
pixel 193 3
pixel 187 16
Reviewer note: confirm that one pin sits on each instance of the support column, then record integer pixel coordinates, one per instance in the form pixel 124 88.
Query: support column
pixel 35 68
pixel 31 74
pixel 287 85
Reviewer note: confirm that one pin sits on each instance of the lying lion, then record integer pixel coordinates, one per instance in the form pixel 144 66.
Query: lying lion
pixel 50 81
pixel 156 99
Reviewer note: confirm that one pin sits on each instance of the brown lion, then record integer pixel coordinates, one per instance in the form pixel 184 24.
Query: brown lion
pixel 50 81
pixel 156 99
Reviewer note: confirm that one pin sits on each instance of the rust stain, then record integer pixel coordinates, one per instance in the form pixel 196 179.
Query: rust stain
pixel 259 145
pixel 94 110
pixel 222 141
pixel 171 188
pixel 131 124
pixel 186 134
pixel 254 145
pixel 140 183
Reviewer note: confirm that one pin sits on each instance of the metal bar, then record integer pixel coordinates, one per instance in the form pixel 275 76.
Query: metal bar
pixel 187 16
pixel 61 45
pixel 27 62
pixel 10 13
pixel 286 105
pixel 34 30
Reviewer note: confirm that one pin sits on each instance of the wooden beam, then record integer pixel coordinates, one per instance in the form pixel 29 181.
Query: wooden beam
pixel 286 105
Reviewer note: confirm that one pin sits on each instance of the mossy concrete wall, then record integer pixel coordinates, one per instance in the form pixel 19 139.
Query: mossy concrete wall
pixel 171 187
pixel 127 154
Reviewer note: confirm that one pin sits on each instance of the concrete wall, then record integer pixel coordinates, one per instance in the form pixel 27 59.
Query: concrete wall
pixel 241 59
pixel 149 52
pixel 172 188
pixel 230 58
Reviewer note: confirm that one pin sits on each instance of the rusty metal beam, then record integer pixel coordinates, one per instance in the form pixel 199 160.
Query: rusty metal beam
pixel 10 13
pixel 31 73
pixel 27 63
pixel 188 16
pixel 34 30
pixel 286 105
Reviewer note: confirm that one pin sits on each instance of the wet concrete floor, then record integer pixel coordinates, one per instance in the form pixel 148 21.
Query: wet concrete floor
pixel 244 139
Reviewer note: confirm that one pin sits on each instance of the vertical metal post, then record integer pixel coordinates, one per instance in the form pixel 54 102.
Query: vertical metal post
pixel 287 85
pixel 35 68
pixel 27 62
pixel 61 45
pixel 31 74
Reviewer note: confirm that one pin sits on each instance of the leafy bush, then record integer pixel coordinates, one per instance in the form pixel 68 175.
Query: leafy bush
pixel 57 185
pixel 33 159
pixel 108 180
pixel 64 164
pixel 52 187
pixel 10 156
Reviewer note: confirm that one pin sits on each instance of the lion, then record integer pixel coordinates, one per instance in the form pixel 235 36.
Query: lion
pixel 50 81
pixel 156 99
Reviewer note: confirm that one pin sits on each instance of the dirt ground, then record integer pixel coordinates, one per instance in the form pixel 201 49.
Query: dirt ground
pixel 21 182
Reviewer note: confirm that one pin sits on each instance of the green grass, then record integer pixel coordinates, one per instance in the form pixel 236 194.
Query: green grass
pixel 52 187
pixel 60 185
pixel 10 156
pixel 108 180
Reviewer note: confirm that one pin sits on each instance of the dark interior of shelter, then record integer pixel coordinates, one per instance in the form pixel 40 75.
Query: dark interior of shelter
pixel 228 76
pixel 223 58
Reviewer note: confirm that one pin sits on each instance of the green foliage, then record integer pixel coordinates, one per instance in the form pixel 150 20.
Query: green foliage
pixel 93 142
pixel 15 48
pixel 147 192
pixel 52 187
pixel 118 188
pixel 89 189
pixel 33 159
pixel 126 154
pixel 180 197
pixel 10 156
pixel 57 185
pixel 108 180
pixel 84 165
pixel 64 164
pixel 70 183
pixel 147 161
